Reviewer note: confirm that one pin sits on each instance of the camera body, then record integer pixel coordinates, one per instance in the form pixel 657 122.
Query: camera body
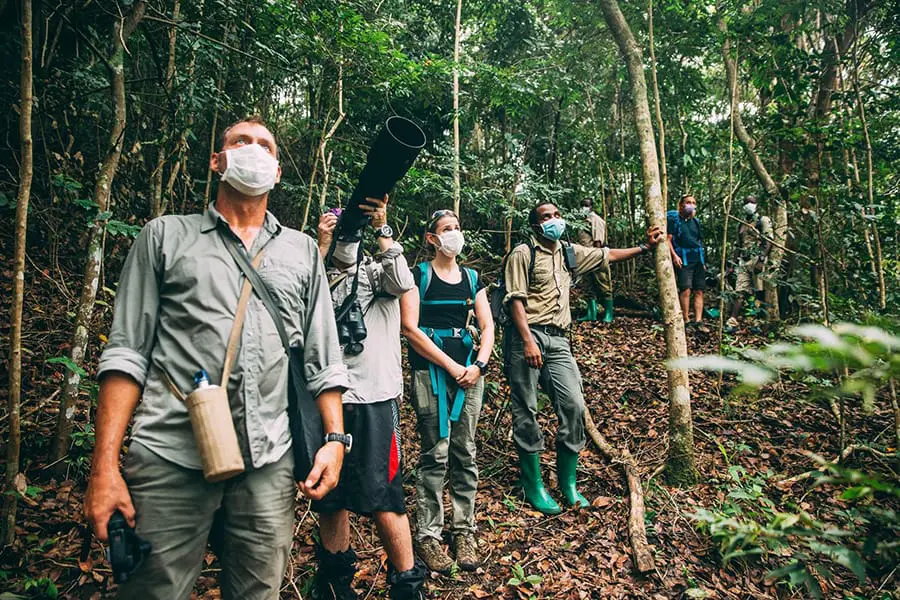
pixel 127 551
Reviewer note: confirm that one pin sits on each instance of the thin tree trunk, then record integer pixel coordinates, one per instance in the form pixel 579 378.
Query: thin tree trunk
pixel 726 209
pixel 661 130
pixel 102 191
pixel 158 200
pixel 776 256
pixel 456 183
pixel 26 171
pixel 215 120
pixel 681 466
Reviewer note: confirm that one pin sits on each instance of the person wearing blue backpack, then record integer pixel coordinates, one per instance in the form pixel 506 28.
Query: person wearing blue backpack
pixel 686 248
pixel 441 320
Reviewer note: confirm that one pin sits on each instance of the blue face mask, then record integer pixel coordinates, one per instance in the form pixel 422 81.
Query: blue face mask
pixel 553 229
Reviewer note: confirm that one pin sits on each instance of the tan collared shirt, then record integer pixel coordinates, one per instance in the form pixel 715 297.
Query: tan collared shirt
pixel 546 296
pixel 175 306
pixel 596 231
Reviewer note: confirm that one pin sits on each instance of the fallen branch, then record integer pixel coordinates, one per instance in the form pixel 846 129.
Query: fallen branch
pixel 643 558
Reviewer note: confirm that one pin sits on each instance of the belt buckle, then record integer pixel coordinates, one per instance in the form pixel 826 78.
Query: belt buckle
pixel 457 332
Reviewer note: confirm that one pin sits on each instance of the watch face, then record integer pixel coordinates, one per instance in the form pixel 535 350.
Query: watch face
pixel 386 231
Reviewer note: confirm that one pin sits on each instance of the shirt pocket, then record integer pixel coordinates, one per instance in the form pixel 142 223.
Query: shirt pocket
pixel 289 283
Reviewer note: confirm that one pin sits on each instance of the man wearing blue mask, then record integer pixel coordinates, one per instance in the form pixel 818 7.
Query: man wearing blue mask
pixel 686 249
pixel 538 275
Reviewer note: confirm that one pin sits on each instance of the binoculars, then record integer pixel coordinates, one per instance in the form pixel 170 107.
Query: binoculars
pixel 390 157
pixel 352 330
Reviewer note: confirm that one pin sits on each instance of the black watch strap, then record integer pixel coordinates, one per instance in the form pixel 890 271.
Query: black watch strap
pixel 345 438
pixel 482 366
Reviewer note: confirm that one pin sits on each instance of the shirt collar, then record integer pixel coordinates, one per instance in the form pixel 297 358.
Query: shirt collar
pixel 541 248
pixel 212 217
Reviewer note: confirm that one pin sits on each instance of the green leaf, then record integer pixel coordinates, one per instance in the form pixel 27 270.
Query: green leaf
pixel 69 364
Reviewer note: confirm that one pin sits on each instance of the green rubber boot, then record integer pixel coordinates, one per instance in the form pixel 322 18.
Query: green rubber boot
pixel 591 312
pixel 535 492
pixel 608 305
pixel 566 464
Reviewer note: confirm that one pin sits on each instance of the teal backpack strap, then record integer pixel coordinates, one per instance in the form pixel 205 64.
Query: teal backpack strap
pixel 473 281
pixel 424 278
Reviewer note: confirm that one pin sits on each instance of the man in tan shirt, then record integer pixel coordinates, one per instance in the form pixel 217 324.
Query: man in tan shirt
pixel 600 279
pixel 538 278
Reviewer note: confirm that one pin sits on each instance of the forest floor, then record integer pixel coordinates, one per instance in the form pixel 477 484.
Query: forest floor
pixel 578 554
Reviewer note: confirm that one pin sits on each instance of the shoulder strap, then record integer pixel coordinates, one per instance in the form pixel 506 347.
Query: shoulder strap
pixel 424 278
pixel 533 249
pixel 473 281
pixel 260 286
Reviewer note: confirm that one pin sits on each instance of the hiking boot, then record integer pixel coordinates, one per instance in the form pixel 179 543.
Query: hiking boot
pixel 407 585
pixel 465 546
pixel 533 486
pixel 432 553
pixel 334 575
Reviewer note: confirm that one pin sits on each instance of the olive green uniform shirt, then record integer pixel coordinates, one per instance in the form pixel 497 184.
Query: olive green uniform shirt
pixel 546 296
pixel 175 306
pixel 596 231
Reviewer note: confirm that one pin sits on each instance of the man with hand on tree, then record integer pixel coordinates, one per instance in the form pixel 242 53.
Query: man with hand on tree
pixel 601 278
pixel 688 256
pixel 175 308
pixel 752 246
pixel 538 278
pixel 371 481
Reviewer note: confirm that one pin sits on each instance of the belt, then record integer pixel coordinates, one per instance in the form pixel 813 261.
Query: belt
pixel 439 376
pixel 550 330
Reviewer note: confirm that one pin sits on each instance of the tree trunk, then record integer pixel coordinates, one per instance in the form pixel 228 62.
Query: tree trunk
pixel 780 220
pixel 681 465
pixel 158 200
pixel 102 192
pixel 456 183
pixel 215 120
pixel 14 442
pixel 664 178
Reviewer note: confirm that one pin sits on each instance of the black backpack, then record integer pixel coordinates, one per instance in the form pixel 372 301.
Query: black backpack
pixel 499 310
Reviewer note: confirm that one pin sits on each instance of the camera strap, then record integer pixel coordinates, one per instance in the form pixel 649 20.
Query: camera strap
pixel 259 285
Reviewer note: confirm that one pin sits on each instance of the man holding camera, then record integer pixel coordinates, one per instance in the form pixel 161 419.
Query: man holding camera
pixel 538 277
pixel 365 294
pixel 176 306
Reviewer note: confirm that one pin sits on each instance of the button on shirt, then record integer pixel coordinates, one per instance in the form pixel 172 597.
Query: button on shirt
pixel 375 373
pixel 546 296
pixel 175 307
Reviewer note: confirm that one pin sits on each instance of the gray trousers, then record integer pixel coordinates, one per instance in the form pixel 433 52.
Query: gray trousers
pixel 455 453
pixel 559 378
pixel 175 508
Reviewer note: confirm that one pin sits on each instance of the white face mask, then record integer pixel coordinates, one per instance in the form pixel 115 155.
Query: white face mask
pixel 250 169
pixel 750 208
pixel 452 242
pixel 346 253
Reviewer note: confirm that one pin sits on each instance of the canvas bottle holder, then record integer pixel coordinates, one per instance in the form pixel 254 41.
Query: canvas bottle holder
pixel 209 409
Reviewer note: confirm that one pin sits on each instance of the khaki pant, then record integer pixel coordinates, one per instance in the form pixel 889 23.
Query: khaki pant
pixel 748 278
pixel 601 283
pixel 559 377
pixel 455 453
pixel 175 510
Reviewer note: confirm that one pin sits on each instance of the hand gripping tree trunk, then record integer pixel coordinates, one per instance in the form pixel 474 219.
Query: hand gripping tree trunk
pixel 14 443
pixel 122 29
pixel 765 179
pixel 680 466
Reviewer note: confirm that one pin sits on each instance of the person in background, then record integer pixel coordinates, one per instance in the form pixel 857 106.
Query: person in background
pixel 688 256
pixel 752 247
pixel 371 482
pixel 538 278
pixel 442 320
pixel 601 278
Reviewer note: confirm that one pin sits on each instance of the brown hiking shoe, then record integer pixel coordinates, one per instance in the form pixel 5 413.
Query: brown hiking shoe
pixel 465 546
pixel 432 554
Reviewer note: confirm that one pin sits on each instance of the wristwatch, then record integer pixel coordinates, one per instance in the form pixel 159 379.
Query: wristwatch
pixel 385 231
pixel 345 438
pixel 482 366
pixel 644 248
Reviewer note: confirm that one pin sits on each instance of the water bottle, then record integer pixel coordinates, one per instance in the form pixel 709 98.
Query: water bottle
pixel 214 431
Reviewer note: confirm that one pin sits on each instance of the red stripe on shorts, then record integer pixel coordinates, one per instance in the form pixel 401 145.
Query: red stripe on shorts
pixel 394 459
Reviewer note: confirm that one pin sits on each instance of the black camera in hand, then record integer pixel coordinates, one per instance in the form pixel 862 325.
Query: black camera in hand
pixel 127 551
pixel 351 328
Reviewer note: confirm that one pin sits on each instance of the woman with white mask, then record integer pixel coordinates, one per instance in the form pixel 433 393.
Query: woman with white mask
pixel 447 381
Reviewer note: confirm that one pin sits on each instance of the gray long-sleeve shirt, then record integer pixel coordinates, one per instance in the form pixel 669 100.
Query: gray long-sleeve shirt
pixel 375 373
pixel 175 307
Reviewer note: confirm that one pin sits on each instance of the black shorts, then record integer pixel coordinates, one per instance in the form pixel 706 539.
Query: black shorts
pixel 371 478
pixel 692 277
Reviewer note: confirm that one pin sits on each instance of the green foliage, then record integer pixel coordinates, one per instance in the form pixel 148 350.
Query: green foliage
pixel 520 578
